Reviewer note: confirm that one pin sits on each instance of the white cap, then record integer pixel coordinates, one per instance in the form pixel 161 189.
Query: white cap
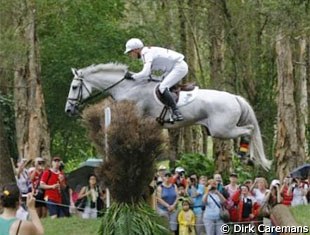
pixel 162 167
pixel 38 159
pixel 275 182
pixel 179 169
pixel 133 43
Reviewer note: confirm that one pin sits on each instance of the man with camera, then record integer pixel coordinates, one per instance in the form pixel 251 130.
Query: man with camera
pixel 179 177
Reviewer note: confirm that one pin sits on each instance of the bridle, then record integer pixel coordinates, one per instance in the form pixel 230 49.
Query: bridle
pixel 79 99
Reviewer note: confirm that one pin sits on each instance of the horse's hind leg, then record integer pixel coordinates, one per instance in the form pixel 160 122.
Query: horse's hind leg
pixel 230 132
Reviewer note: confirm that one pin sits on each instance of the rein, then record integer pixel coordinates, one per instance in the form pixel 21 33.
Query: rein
pixel 102 92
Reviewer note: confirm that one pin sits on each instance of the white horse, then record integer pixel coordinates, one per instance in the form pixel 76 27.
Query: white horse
pixel 225 115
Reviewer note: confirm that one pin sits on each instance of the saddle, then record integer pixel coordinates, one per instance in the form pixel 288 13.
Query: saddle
pixel 176 89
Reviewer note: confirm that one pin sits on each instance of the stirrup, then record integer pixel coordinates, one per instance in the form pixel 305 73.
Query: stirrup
pixel 177 116
pixel 161 118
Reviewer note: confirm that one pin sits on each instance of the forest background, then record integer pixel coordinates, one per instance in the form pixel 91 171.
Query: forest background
pixel 259 49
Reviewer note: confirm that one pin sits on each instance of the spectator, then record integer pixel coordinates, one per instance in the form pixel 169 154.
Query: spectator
pixel 214 200
pixel 308 189
pixel 9 224
pixel 220 187
pixel 22 177
pixel 160 174
pixel 298 191
pixel 186 219
pixel 196 191
pixel 248 183
pixel 285 191
pixel 232 188
pixel 259 190
pixel 24 185
pixel 248 208
pixel 273 197
pixel 66 196
pixel 179 177
pixel 166 202
pixel 182 196
pixel 93 195
pixel 50 182
pixel 35 177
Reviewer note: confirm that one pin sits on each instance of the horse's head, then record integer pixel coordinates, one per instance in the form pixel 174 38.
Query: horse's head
pixel 79 91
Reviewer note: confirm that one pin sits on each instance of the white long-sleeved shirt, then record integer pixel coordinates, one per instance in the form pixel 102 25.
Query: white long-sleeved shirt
pixel 157 58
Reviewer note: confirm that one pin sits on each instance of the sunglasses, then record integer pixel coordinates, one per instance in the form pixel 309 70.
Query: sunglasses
pixel 56 160
pixel 40 163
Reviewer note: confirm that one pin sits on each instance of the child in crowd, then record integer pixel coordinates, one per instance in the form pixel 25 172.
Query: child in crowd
pixel 186 219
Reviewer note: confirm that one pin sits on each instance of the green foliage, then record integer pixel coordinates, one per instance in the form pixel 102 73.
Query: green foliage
pixel 74 34
pixel 195 163
pixel 132 219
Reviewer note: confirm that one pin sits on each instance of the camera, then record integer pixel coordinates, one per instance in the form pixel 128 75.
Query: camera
pixel 24 197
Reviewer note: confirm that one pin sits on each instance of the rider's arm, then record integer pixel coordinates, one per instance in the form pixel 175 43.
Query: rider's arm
pixel 145 72
pixel 147 58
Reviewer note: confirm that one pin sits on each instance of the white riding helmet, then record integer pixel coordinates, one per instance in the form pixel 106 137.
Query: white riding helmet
pixel 133 43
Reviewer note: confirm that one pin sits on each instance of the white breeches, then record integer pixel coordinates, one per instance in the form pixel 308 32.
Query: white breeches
pixel 177 73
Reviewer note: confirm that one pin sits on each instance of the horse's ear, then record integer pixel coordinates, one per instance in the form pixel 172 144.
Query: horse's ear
pixel 74 71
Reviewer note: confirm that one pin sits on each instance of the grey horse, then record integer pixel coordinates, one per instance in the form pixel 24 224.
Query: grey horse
pixel 225 115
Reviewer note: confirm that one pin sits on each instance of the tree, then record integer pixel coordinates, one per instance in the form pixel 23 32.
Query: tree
pixel 6 170
pixel 32 132
pixel 289 149
pixel 222 149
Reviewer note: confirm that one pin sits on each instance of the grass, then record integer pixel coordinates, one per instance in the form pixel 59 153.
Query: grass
pixel 71 226
pixel 301 214
pixel 78 226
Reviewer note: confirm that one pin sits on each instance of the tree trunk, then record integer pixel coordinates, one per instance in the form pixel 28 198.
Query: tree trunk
pixel 6 168
pixel 31 122
pixel 288 147
pixel 222 149
pixel 302 95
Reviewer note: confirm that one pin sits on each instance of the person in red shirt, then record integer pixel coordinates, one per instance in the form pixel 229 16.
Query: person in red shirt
pixel 286 188
pixel 51 181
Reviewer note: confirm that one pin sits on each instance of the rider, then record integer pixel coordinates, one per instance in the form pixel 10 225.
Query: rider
pixel 157 58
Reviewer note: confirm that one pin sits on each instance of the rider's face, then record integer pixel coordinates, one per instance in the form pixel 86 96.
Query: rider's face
pixel 134 54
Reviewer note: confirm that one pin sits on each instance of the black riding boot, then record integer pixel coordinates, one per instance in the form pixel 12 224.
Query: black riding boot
pixel 168 100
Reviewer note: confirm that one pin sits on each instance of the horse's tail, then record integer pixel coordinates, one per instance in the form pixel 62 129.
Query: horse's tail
pixel 256 146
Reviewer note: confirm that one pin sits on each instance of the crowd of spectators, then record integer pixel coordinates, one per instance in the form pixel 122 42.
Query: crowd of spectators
pixel 47 182
pixel 194 205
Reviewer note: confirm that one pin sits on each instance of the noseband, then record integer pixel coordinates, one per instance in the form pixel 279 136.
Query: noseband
pixel 79 98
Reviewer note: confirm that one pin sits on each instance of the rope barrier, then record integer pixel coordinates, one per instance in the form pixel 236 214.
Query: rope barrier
pixel 95 210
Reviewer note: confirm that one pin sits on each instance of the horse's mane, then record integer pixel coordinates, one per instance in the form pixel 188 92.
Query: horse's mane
pixel 104 67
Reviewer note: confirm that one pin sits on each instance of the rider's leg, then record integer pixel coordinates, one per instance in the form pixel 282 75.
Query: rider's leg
pixel 178 72
pixel 168 100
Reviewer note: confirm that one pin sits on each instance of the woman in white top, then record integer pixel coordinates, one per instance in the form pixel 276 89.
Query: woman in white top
pixel 299 192
pixel 260 190
pixel 171 63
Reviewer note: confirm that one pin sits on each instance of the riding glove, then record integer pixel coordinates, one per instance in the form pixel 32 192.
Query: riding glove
pixel 128 76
